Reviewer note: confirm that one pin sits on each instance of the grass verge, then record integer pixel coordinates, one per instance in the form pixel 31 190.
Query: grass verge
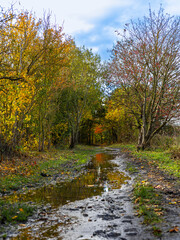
pixel 148 203
pixel 18 174
pixel 14 212
pixel 38 168
pixel 161 158
pixel 147 199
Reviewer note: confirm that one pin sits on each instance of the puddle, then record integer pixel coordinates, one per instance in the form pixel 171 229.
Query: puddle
pixel 99 176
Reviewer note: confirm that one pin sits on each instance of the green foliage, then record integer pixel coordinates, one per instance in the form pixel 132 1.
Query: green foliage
pixel 149 215
pixel 162 141
pixel 48 85
pixel 144 192
pixel 14 212
pixel 130 168
pixel 157 231
pixel 148 203
pixel 175 152
pixel 162 158
pixel 52 162
pixel 82 95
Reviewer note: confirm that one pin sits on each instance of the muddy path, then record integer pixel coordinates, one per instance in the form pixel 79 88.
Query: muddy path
pixel 95 205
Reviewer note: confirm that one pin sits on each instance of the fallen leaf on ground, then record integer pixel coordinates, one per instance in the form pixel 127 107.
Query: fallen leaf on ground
pixel 137 200
pixel 175 229
pixel 22 225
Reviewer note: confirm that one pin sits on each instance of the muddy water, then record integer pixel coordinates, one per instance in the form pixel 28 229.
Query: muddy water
pixel 99 176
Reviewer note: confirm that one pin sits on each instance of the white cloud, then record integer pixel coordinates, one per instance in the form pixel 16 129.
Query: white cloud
pixel 75 25
pixel 109 30
pixel 77 15
pixel 94 38
pixel 173 7
pixel 93 22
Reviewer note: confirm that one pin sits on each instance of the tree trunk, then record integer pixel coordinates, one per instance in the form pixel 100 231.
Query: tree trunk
pixel 43 137
pixel 72 141
pixel 141 139
pixel 49 136
pixel 15 139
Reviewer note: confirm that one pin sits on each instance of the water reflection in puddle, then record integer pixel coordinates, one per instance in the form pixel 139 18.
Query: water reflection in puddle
pixel 100 176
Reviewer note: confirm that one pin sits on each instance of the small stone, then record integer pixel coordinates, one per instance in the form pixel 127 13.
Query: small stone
pixel 113 235
pixel 85 215
pixel 80 236
pixel 108 217
pixel 73 209
pixel 127 221
pixel 131 234
pixel 122 211
pixel 130 230
pixel 128 217
pixel 121 197
pixel 99 233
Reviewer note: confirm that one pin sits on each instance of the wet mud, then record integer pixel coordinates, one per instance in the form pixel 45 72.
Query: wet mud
pixel 95 205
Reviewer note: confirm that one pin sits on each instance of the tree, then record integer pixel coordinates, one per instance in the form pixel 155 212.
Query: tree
pixel 119 118
pixel 80 96
pixel 55 59
pixel 18 38
pixel 33 61
pixel 145 65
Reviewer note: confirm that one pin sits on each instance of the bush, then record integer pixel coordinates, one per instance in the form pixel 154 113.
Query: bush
pixel 175 152
pixel 17 212
pixel 162 141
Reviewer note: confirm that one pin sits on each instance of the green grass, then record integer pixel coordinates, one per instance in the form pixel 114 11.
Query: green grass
pixel 130 168
pixel 162 158
pixel 28 174
pixel 51 163
pixel 147 203
pixel 14 212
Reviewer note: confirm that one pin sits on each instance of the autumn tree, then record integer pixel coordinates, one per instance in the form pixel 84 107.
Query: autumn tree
pixel 51 76
pixel 78 99
pixel 33 56
pixel 145 65
pixel 118 118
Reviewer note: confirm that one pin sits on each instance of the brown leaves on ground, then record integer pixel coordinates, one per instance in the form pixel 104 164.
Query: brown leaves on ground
pixel 174 229
pixel 162 182
pixel 18 166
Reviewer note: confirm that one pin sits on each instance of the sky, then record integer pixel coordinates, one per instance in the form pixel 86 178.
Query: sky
pixel 92 23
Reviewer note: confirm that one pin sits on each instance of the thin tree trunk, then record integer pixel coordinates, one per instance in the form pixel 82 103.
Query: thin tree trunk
pixel 72 141
pixel 49 136
pixel 43 137
pixel 40 131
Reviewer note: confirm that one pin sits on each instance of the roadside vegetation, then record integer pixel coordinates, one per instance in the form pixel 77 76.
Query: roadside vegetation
pixel 148 204
pixel 34 171
pixel 166 160
pixel 13 213
pixel 22 173
pixel 161 161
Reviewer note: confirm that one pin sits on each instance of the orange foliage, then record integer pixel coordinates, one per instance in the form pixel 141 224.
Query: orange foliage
pixel 98 129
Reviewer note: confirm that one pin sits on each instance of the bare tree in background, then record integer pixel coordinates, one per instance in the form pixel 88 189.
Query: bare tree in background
pixel 145 65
